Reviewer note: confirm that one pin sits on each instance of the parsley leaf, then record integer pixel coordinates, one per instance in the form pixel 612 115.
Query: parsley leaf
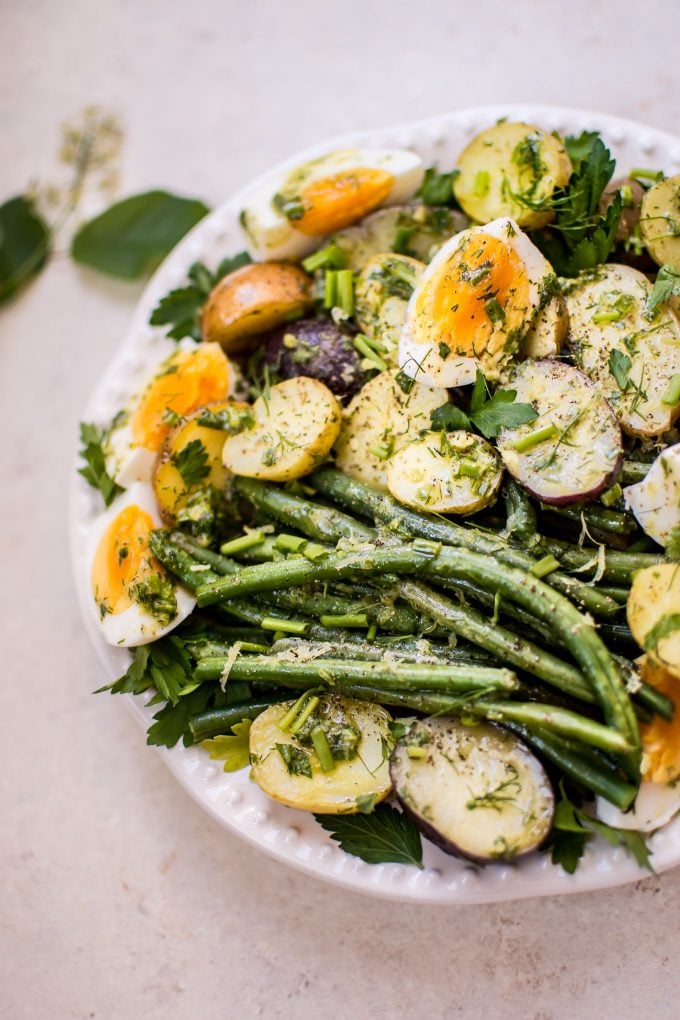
pixel 384 836
pixel 666 286
pixel 579 146
pixel 233 750
pixel 296 760
pixel 171 723
pixel 448 418
pixel 95 471
pixel 437 189
pixel 567 849
pixel 501 412
pixel 619 366
pixel 181 308
pixel 192 462
pixel 480 392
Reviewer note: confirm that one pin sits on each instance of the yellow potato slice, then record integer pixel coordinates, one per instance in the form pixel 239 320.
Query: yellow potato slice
pixel 379 421
pixel 454 473
pixel 296 423
pixel 654 614
pixel 512 170
pixel 338 791
pixel 659 218
pixel 252 300
pixel 181 468
pixel 382 292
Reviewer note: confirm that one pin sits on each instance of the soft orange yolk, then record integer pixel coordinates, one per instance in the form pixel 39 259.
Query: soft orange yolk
pixel 660 739
pixel 470 295
pixel 122 558
pixel 332 203
pixel 192 378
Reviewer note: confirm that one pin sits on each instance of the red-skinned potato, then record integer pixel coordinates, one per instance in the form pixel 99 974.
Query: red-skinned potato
pixel 252 300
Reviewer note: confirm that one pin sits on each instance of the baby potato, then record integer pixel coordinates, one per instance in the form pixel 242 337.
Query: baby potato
pixel 659 218
pixel 654 614
pixel 296 423
pixel 252 300
pixel 379 421
pixel 191 458
pixel 454 473
pixel 548 331
pixel 511 169
pixel 382 292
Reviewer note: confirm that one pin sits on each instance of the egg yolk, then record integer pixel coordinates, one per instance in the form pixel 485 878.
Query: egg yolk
pixel 473 302
pixel 191 379
pixel 334 202
pixel 661 739
pixel 122 560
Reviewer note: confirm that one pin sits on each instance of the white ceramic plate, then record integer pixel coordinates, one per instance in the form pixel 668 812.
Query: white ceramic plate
pixel 293 836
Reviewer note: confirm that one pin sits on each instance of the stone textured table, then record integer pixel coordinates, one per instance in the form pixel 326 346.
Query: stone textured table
pixel 119 898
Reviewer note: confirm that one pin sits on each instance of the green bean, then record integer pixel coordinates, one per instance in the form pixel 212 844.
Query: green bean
pixel 406 651
pixel 219 721
pixel 597 518
pixel 619 567
pixel 520 514
pixel 633 472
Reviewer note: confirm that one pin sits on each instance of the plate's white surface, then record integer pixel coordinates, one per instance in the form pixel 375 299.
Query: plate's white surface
pixel 293 836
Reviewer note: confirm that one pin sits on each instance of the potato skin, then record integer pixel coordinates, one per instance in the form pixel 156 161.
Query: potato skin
pixel 252 300
pixel 659 215
pixel 316 348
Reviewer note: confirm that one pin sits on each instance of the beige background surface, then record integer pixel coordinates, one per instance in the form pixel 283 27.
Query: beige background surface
pixel 119 898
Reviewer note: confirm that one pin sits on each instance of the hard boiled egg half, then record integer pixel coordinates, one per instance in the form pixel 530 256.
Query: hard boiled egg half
pixel 133 599
pixel 191 377
pixel 285 217
pixel 473 305
pixel 655 501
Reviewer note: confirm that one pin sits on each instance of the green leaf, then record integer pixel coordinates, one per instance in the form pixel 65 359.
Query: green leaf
pixel 480 392
pixel 296 760
pixel 619 366
pixel 385 835
pixel 501 412
pixel 580 146
pixel 448 418
pixel 664 626
pixel 567 849
pixel 437 189
pixel 172 722
pixel 136 679
pixel 234 750
pixel 24 244
pixel 666 286
pixel 192 462
pixel 181 308
pixel 92 453
pixel 132 237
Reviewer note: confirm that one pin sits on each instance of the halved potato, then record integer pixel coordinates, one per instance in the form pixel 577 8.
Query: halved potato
pixel 423 229
pixel 511 169
pixel 573 449
pixel 191 459
pixel 290 771
pixel 631 357
pixel 654 614
pixel 475 791
pixel 660 221
pixel 252 300
pixel 380 419
pixel 454 473
pixel 382 292
pixel 548 331
pixel 296 423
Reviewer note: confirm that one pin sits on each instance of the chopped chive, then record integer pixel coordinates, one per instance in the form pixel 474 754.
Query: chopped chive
pixel 360 345
pixel 281 626
pixel 289 543
pixel 401 240
pixel 426 547
pixel 416 752
pixel 243 542
pixel 612 495
pixel 330 288
pixel 279 635
pixel 304 715
pixel 468 469
pixel 291 715
pixel 645 174
pixel 481 183
pixel 344 620
pixel 381 452
pixel 314 552
pixel 612 316
pixel 545 566
pixel 329 257
pixel 323 749
pixel 672 394
pixel 371 632
pixel 532 439
pixel 252 646
pixel 626 195
pixel 345 290
pixel 375 345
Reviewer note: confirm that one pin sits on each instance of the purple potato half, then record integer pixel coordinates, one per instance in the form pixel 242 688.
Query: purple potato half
pixel 317 348
pixel 573 449
pixel 476 791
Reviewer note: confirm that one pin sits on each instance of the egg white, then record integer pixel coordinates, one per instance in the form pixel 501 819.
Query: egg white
pixel 655 804
pixel 133 626
pixel 655 501
pixel 270 235
pixel 418 359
